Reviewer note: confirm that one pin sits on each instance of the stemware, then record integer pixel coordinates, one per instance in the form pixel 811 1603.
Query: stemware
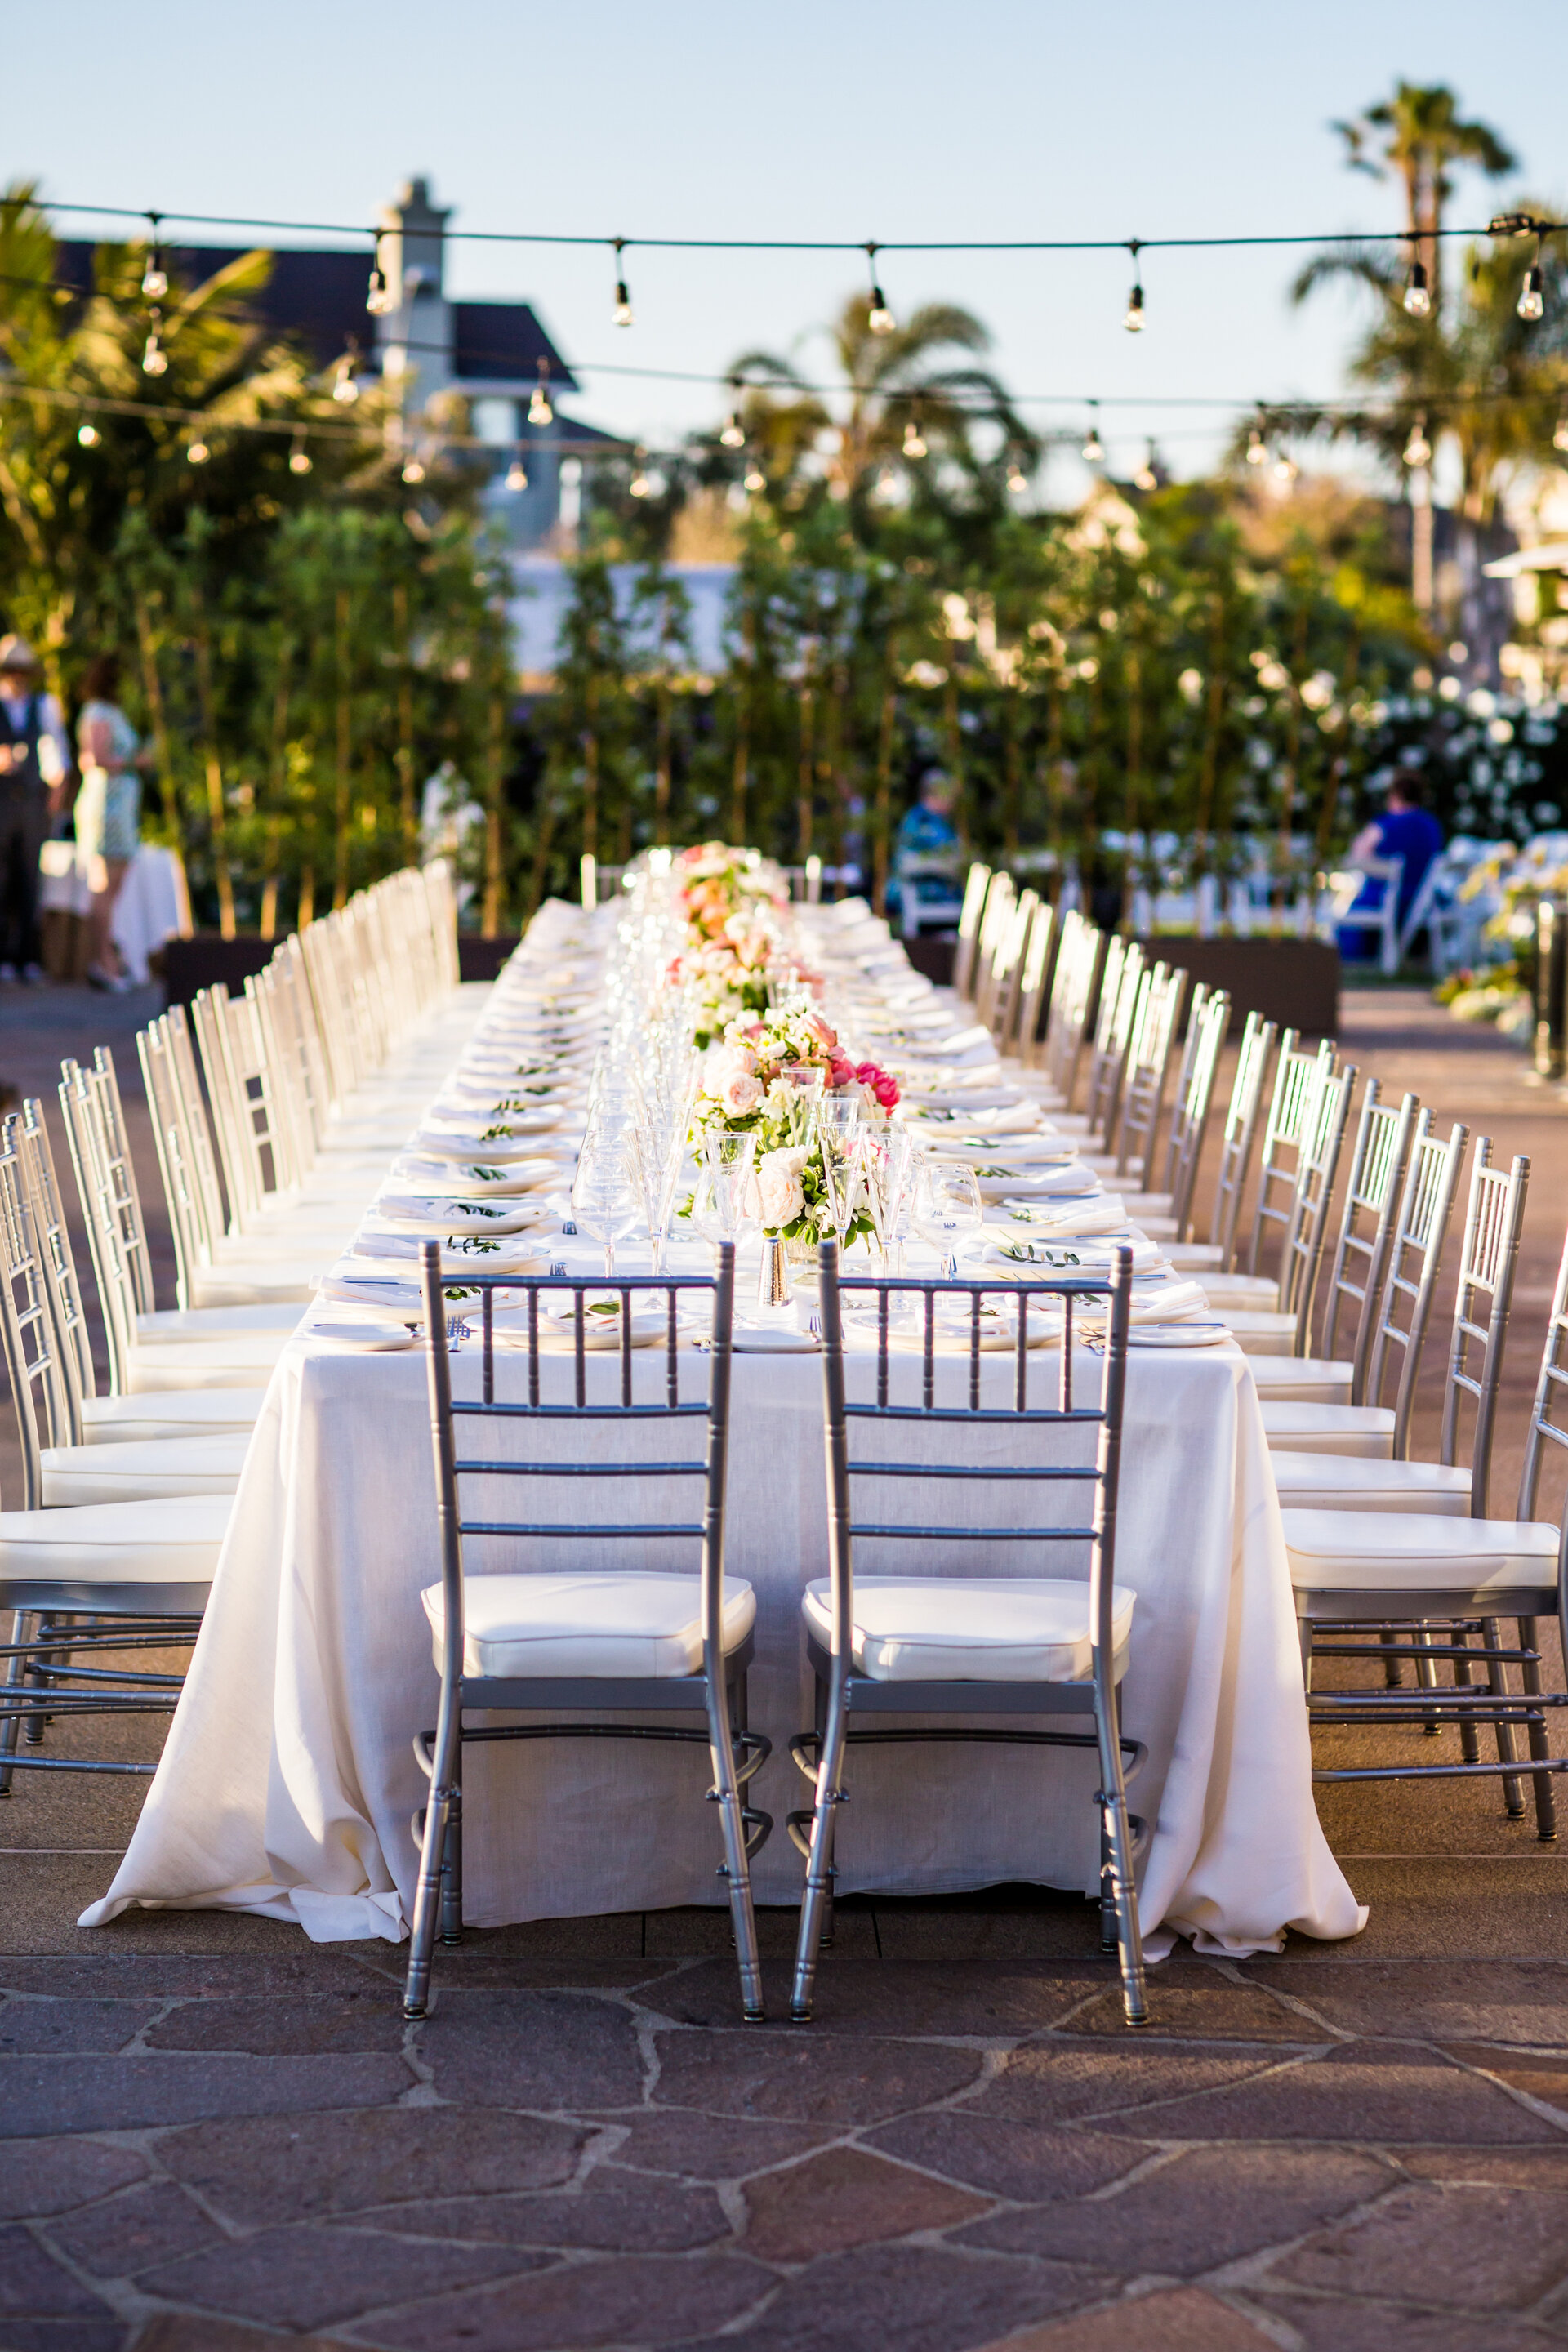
pixel 835 1125
pixel 887 1165
pixel 731 1158
pixel 947 1207
pixel 605 1201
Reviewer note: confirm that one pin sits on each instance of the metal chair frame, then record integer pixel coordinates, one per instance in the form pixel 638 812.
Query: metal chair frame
pixel 73 1339
pixel 1296 1077
pixel 1123 990
pixel 1008 972
pixel 976 888
pixel 1410 1279
pixel 1493 1223
pixel 717 1692
pixel 1147 1067
pixel 1238 1142
pixel 1079 973
pixel 1208 1019
pixel 1036 974
pixel 1323 1123
pixel 1379 1159
pixel 842 1694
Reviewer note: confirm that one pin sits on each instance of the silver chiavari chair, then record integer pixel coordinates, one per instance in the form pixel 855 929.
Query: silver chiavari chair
pixel 1034 983
pixel 994 930
pixel 971 914
pixel 1309 1404
pixel 1008 972
pixel 1237 1144
pixel 1408 1576
pixel 1077 977
pixel 1148 1066
pixel 934 1644
pixel 529 1638
pixel 1285 1330
pixel 1207 1022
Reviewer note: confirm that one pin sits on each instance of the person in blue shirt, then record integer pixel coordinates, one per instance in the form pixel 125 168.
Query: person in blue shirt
pixel 1405 830
pixel 926 854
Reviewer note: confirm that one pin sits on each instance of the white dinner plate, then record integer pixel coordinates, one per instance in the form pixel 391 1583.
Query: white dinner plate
pixel 487 1180
pixel 435 1214
pixel 1177 1335
pixel 376 1338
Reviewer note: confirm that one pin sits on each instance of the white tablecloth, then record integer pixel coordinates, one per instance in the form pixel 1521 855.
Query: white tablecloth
pixel 287 1781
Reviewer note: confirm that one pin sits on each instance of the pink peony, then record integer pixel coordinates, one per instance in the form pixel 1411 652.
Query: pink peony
pixel 741 1095
pixel 840 1073
pixel 886 1092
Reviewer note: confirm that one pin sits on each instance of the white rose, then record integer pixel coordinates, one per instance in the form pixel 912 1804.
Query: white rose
pixel 742 1093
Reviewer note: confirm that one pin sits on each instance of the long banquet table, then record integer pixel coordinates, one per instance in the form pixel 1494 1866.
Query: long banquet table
pixel 287 1781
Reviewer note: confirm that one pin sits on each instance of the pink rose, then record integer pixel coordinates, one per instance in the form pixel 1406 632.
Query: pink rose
pixel 815 1026
pixel 886 1092
pixel 742 1093
pixel 840 1073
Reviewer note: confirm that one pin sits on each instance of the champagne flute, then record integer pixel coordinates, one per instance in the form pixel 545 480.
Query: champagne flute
pixel 947 1208
pixel 886 1163
pixel 605 1201
pixel 836 1122
pixel 730 1155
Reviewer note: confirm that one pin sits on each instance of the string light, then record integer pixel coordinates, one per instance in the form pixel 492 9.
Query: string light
pixel 1094 447
pixel 1017 480
pixel 1256 447
pixel 154 277
pixel 198 453
pixel 733 436
pixel 89 435
pixel 755 478
pixel 623 313
pixel 1285 469
pixel 1133 320
pixel 880 320
pixel 378 299
pixel 155 358
pixel 539 409
pixel 914 439
pixel 1418 449
pixel 413 470
pixel 640 486
pixel 517 474
pixel 299 456
pixel 1417 293
pixel 345 380
pixel 1146 478
pixel 1532 304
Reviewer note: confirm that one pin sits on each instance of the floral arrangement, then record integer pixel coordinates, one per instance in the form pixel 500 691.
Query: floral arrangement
pixel 758 1080
pixel 726 898
pixel 713 882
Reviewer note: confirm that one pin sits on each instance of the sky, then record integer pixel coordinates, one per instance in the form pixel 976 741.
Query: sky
pixel 856 120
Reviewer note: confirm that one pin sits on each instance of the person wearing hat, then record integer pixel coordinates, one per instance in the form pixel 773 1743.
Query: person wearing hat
pixel 35 761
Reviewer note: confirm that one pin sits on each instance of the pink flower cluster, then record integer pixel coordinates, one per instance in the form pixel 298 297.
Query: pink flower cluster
pixel 885 1089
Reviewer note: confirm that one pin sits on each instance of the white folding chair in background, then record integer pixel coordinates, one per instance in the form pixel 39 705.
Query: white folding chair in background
pixel 1238 1143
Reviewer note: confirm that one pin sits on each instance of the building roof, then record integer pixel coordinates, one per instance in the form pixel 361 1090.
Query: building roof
pixel 318 295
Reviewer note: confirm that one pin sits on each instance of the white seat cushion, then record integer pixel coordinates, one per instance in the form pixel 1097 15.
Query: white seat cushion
pixel 172 1541
pixel 1365 1430
pixel 1395 1551
pixel 219 1289
pixel 595 1622
pixel 1342 1481
pixel 1253 1290
pixel 213 1322
pixel 1302 1380
pixel 1141 1206
pixel 970 1629
pixel 1195 1257
pixel 1259 1331
pixel 234 1363
pixel 139 1469
pixel 111 1420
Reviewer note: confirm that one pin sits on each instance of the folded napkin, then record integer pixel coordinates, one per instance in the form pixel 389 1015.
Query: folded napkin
pixel 1104 1215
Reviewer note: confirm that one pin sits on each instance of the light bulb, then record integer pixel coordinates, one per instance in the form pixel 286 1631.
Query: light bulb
pixel 517 475
pixel 623 304
pixel 755 477
pixel 1017 480
pixel 1094 447
pixel 299 456
pixel 914 444
pixel 734 437
pixel 1257 448
pixel 1531 302
pixel 878 318
pixel 345 389
pixel 378 300
pixel 1418 449
pixel 154 279
pixel 1417 295
pixel 1133 321
pixel 198 453
pixel 413 471
pixel 89 435
pixel 1560 434
pixel 1285 469
pixel 539 409
pixel 155 358
pixel 1146 478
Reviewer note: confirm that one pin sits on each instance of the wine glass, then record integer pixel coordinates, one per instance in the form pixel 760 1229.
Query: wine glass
pixel 658 1145
pixel 730 1155
pixel 947 1208
pixel 604 1192
pixel 887 1166
pixel 836 1122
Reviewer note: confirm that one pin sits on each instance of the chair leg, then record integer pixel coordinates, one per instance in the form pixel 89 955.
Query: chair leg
pixel 818 1889
pixel 452 1859
pixel 16 1675
pixel 1124 1887
pixel 1507 1746
pixel 426 1898
pixel 737 1869
pixel 1470 1746
pixel 1540 1746
pixel 34 1733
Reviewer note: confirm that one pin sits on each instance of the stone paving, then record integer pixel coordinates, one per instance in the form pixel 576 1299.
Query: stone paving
pixel 219 2137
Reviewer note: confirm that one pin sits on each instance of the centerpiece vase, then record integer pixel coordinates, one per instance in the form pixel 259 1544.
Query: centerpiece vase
pixel 773 1279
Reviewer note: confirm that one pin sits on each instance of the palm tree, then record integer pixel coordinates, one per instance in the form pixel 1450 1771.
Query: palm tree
pixel 902 396
pixel 1418 134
